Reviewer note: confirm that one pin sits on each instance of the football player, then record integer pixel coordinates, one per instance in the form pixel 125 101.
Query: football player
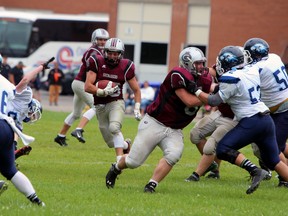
pixel 82 98
pixel 17 105
pixel 274 91
pixel 172 110
pixel 109 102
pixel 239 87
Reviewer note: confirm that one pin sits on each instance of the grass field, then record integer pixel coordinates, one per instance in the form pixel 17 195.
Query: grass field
pixel 71 180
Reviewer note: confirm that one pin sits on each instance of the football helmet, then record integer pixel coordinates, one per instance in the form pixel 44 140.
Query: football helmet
pixel 257 47
pixel 189 56
pixel 114 45
pixel 228 58
pixel 99 33
pixel 34 111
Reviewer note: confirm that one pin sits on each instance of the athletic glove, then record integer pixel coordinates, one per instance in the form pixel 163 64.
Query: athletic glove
pixel 108 90
pixel 137 113
pixel 45 65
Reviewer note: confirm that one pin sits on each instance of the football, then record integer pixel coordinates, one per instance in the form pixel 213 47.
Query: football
pixel 103 83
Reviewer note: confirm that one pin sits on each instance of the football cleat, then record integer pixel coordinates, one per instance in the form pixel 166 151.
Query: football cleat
pixel 78 134
pixel 283 184
pixel 213 166
pixel 257 176
pixel 22 151
pixel 60 140
pixel 214 174
pixel 128 141
pixel 3 186
pixel 111 176
pixel 35 200
pixel 269 173
pixel 150 187
pixel 193 177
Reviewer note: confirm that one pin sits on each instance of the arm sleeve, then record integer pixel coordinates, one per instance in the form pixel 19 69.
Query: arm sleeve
pixel 214 100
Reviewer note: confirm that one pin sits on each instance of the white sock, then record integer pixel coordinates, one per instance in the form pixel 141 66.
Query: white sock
pixel 22 184
pixel 118 140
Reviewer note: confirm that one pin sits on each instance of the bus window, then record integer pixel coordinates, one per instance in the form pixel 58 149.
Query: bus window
pixel 15 35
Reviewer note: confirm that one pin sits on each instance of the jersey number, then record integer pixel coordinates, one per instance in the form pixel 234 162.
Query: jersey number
pixel 281 78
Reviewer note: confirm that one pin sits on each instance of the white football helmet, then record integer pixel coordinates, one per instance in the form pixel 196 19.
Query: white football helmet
pixel 189 56
pixel 99 33
pixel 114 45
pixel 34 111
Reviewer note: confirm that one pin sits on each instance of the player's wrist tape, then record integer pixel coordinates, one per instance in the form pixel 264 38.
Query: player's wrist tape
pixel 100 92
pixel 198 92
pixel 137 106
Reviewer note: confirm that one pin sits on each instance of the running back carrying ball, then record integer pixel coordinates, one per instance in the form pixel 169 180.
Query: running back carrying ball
pixel 105 88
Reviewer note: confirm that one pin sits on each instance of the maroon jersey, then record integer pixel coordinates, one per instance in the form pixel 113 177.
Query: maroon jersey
pixel 226 111
pixel 94 49
pixel 168 108
pixel 125 70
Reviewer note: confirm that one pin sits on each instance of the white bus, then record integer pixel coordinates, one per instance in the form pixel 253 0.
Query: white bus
pixel 34 37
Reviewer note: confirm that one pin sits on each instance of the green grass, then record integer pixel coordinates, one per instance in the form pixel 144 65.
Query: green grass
pixel 71 180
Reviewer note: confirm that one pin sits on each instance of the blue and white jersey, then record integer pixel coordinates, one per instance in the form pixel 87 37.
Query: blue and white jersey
pixel 18 108
pixel 7 94
pixel 241 90
pixel 274 81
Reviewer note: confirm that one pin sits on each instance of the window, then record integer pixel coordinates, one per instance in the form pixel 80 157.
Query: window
pixel 153 53
pixel 129 52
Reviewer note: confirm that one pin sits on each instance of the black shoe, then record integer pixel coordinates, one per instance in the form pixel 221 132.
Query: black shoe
pixel 283 184
pixel 78 134
pixel 3 186
pixel 257 176
pixel 111 176
pixel 214 174
pixel 23 151
pixel 193 177
pixel 213 166
pixel 128 141
pixel 61 140
pixel 150 187
pixel 35 200
pixel 269 173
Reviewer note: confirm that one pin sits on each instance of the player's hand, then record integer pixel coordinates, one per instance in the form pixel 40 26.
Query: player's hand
pixel 137 112
pixel 45 65
pixel 109 90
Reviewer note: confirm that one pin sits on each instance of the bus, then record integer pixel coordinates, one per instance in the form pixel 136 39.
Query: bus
pixel 34 38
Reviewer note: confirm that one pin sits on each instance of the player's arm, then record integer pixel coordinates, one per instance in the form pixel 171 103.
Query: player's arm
pixel 90 86
pixel 31 75
pixel 212 100
pixel 136 89
pixel 187 98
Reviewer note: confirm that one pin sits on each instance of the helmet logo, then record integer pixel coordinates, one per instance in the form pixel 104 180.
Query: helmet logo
pixel 228 57
pixel 259 48
pixel 186 57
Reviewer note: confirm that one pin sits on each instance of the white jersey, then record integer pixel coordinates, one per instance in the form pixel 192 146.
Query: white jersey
pixel 7 94
pixel 18 108
pixel 241 90
pixel 274 81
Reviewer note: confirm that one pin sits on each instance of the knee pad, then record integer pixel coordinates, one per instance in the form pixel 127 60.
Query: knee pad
pixel 89 114
pixel 210 146
pixel 130 163
pixel 114 127
pixel 172 157
pixel 195 136
pixel 228 155
pixel 70 119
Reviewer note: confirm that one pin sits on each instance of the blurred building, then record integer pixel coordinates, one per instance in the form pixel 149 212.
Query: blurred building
pixel 155 31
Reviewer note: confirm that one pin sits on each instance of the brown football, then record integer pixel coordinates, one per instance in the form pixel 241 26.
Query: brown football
pixel 103 83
